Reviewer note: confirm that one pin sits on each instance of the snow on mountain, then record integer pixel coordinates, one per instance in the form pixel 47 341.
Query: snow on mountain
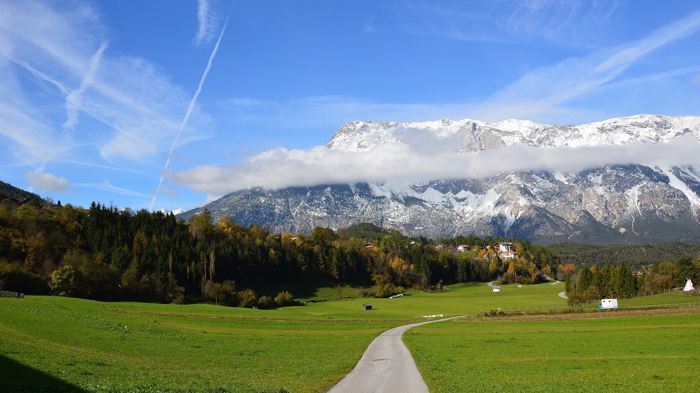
pixel 475 135
pixel 610 204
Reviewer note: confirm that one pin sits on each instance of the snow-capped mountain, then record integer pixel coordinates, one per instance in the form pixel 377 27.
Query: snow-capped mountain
pixel 613 203
pixel 475 135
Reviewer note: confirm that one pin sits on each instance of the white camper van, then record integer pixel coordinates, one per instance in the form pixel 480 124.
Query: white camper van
pixel 608 304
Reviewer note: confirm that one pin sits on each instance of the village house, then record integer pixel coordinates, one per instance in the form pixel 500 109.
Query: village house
pixel 505 250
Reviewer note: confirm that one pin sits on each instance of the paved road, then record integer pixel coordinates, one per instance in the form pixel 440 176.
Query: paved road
pixel 386 367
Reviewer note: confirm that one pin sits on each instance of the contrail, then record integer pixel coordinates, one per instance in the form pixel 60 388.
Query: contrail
pixel 74 98
pixel 190 107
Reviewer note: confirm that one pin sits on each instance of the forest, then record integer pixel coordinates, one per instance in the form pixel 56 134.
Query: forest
pixel 633 255
pixel 591 283
pixel 105 253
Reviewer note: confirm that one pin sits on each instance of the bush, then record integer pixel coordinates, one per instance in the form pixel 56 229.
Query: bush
pixel 386 290
pixel 82 276
pixel 247 298
pixel 65 281
pixel 284 298
pixel 266 302
pixel 224 292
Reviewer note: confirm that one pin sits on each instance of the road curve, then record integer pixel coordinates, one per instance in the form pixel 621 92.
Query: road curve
pixel 386 366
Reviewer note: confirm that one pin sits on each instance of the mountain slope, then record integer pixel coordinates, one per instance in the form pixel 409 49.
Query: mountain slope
pixel 9 191
pixel 610 204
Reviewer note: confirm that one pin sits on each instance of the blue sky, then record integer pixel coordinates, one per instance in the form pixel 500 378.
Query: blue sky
pixel 94 96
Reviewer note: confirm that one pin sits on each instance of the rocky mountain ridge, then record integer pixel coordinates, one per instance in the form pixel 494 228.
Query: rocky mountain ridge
pixel 611 204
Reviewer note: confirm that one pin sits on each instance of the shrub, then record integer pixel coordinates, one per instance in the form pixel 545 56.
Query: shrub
pixel 247 298
pixel 224 292
pixel 284 298
pixel 65 281
pixel 266 302
pixel 386 290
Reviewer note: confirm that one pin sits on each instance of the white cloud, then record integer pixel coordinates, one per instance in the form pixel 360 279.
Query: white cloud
pixel 536 95
pixel 47 182
pixel 206 23
pixel 62 47
pixel 540 94
pixel 369 26
pixel 575 22
pixel 543 90
pixel 74 98
pixel 332 111
pixel 29 135
pixel 109 187
pixel 420 161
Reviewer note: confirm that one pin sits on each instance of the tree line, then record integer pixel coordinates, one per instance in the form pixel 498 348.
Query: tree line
pixel 109 254
pixel 633 255
pixel 592 283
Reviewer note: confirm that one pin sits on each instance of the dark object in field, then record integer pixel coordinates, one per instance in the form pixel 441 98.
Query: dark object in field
pixel 11 294
pixel 367 306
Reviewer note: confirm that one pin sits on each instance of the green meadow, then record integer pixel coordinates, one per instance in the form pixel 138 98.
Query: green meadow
pixel 605 353
pixel 74 345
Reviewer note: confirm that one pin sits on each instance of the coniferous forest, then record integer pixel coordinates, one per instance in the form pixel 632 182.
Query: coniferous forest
pixel 109 254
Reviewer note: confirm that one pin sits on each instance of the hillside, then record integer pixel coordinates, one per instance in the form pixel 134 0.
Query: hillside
pixel 9 191
pixel 367 231
pixel 110 254
pixel 587 254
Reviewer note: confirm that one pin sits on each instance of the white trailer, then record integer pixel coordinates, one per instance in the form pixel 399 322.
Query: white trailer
pixel 608 304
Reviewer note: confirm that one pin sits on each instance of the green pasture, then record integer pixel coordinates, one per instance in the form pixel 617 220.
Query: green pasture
pixel 56 344
pixel 663 299
pixel 603 353
pixel 146 347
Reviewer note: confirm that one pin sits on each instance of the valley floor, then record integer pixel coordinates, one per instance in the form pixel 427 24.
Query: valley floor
pixel 648 351
pixel 74 345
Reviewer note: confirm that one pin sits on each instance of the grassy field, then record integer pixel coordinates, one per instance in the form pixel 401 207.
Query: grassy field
pixel 75 345
pixel 601 352
pixel 149 348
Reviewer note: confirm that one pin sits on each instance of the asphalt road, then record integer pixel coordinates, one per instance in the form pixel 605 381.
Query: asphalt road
pixel 386 366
